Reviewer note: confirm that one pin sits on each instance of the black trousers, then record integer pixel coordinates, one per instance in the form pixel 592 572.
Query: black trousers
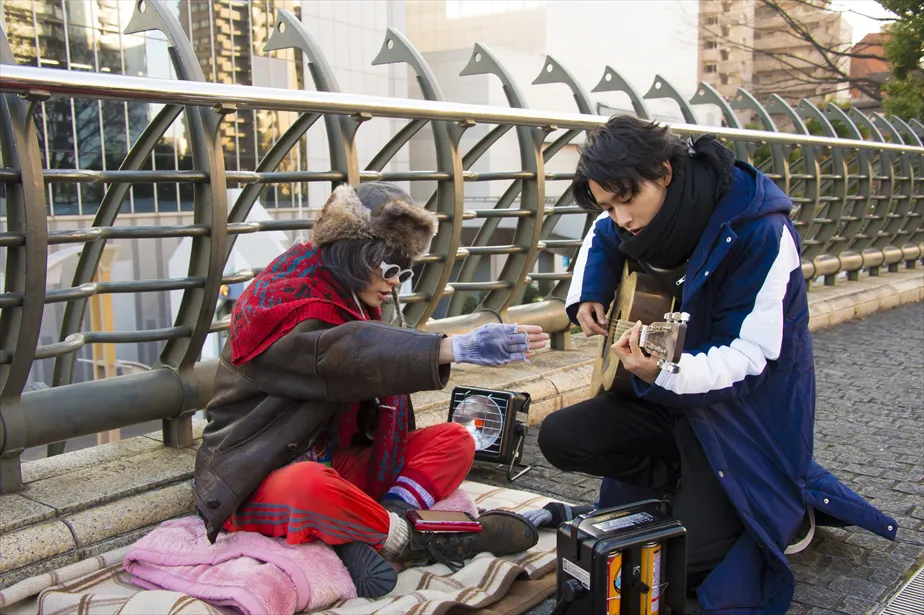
pixel 649 447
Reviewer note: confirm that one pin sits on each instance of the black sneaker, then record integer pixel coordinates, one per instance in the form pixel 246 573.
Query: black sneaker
pixel 372 575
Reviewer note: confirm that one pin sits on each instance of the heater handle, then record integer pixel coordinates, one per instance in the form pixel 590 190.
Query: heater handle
pixel 595 513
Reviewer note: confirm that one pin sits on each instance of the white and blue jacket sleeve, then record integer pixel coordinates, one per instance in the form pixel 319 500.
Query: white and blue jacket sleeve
pixel 747 323
pixel 597 269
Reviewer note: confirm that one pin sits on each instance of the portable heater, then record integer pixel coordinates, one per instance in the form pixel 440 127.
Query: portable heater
pixel 630 560
pixel 497 422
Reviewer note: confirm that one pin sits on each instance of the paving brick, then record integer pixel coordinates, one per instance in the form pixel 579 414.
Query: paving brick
pixel 855 606
pixel 858 588
pixel 811 595
pixel 869 431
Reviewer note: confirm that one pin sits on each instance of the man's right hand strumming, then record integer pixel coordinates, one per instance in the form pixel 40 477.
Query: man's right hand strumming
pixel 592 318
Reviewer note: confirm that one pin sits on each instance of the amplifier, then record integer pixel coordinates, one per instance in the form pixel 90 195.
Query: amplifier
pixel 629 560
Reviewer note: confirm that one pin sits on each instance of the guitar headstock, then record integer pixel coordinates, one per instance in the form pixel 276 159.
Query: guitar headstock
pixel 664 340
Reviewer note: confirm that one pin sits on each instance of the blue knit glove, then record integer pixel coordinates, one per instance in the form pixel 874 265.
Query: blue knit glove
pixel 493 344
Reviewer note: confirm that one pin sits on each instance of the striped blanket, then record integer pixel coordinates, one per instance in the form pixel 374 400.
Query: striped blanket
pixel 507 585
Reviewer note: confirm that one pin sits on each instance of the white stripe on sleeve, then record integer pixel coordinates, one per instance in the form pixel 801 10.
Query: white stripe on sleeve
pixel 759 341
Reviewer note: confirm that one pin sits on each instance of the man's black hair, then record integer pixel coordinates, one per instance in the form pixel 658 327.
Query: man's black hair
pixel 623 153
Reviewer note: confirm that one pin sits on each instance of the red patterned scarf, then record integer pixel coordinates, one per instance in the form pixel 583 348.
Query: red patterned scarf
pixel 296 287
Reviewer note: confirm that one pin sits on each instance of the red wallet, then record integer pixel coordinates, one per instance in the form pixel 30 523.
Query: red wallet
pixel 442 521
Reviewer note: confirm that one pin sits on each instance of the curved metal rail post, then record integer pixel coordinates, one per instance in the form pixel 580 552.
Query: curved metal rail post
pixel 612 81
pixel 662 88
pixel 918 127
pixel 857 207
pixel 26 266
pixel 289 33
pixel 779 160
pixel 448 201
pixel 708 95
pixel 553 72
pixel 532 194
pixel 397 49
pixel 903 191
pixel 808 221
pixel 835 242
pixel 210 208
pixel 883 196
pixel 914 222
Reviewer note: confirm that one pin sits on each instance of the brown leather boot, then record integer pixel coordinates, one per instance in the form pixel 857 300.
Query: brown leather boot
pixel 502 533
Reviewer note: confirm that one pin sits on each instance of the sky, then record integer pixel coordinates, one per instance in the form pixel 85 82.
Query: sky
pixel 858 13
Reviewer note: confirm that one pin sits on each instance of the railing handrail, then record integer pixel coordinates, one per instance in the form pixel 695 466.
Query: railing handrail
pixel 102 86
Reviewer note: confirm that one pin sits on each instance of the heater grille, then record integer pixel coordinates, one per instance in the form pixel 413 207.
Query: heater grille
pixel 483 414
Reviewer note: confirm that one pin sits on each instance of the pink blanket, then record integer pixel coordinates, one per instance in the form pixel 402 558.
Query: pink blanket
pixel 250 572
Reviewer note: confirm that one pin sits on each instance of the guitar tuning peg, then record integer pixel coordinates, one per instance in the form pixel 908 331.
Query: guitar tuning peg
pixel 667 316
pixel 684 317
pixel 675 316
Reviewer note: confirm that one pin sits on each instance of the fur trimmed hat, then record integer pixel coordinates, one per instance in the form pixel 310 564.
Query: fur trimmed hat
pixel 375 210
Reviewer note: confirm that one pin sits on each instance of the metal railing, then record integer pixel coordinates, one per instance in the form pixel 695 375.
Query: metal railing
pixel 859 205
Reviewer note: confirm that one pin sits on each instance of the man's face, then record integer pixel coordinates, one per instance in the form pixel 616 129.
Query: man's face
pixel 633 213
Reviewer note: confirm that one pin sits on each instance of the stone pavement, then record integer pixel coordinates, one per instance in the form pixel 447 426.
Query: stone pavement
pixel 869 430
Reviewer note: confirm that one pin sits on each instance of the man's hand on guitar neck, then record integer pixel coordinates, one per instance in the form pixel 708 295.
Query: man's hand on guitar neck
pixel 592 318
pixel 632 357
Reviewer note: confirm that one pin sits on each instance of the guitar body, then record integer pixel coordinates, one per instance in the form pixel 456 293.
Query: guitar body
pixel 638 297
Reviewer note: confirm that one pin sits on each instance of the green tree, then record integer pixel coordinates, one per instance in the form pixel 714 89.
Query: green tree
pixel 905 51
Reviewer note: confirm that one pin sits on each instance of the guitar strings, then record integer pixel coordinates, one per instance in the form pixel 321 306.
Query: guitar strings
pixel 619 327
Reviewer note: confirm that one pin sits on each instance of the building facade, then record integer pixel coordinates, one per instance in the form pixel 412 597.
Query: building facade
pixel 750 44
pixel 875 69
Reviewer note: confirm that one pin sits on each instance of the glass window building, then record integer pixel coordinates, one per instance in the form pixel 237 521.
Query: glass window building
pixel 227 37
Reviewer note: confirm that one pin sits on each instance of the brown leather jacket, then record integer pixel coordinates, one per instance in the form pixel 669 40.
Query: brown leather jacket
pixel 268 411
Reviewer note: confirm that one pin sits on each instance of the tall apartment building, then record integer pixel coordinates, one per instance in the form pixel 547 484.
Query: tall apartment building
pixel 726 44
pixel 747 43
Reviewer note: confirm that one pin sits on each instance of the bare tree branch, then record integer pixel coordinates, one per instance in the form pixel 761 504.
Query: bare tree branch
pixel 763 30
pixel 829 62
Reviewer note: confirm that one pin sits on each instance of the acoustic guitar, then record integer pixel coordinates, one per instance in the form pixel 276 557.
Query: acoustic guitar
pixel 638 297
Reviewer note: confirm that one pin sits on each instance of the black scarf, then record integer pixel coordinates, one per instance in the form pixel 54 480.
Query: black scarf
pixel 696 187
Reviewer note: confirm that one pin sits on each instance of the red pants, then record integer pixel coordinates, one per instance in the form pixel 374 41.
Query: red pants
pixel 310 501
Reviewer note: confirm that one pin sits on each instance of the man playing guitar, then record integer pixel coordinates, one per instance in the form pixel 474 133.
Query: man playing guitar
pixel 727 437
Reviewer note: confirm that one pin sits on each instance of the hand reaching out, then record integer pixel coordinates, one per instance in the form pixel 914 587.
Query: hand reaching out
pixel 498 344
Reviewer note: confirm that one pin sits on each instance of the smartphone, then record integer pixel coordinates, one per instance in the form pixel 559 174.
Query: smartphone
pixel 436 521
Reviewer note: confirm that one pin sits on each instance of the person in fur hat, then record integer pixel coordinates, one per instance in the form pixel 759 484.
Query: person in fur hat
pixel 311 433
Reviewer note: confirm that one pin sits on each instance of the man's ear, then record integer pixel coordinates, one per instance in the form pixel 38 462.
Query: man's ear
pixel 666 180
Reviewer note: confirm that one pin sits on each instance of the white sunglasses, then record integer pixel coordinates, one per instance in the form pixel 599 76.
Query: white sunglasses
pixel 394 271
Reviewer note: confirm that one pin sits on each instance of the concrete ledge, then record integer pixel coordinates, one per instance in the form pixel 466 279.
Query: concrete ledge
pixel 86 502
pixel 832 305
